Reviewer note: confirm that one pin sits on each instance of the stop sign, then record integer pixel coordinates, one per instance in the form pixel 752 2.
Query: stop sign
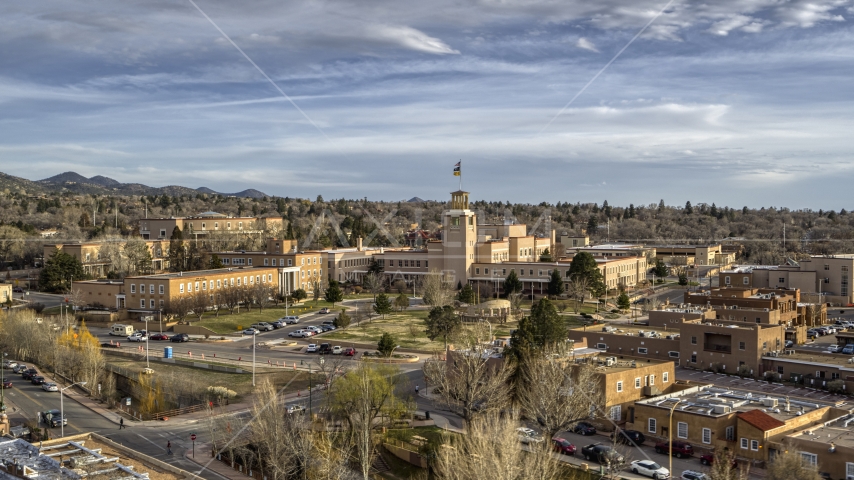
pixel 193 437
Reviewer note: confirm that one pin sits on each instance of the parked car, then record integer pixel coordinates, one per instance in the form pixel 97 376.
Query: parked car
pixel 527 435
pixel 50 387
pixel 324 349
pixel 790 344
pixel 834 348
pixel 848 349
pixel 562 445
pixel 278 324
pixel 336 350
pixel 159 336
pixel 137 337
pixel 18 289
pixel 315 329
pixel 311 348
pixel 262 326
pixel 350 352
pixel 813 333
pixel 584 428
pixel 290 319
pixel 37 380
pixel 650 469
pixel 295 409
pixel 603 454
pixel 629 437
pixel 680 449
pixel 327 328
pixel 28 374
pixel 7 384
pixel 10 364
pixel 296 334
pixel 251 331
pixel 323 310
pixel 180 337
pixel 20 368
pixel 692 475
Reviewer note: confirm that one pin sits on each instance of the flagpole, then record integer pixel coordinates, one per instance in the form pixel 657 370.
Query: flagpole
pixel 461 174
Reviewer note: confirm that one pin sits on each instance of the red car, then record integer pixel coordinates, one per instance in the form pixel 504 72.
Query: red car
pixel 680 449
pixel 562 445
pixel 350 352
pixel 159 336
pixel 7 384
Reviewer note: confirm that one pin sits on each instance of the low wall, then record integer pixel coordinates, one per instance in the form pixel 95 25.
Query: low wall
pixel 399 449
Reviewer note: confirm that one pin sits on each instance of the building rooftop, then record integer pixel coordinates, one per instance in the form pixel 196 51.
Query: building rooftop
pixel 843 362
pixel 197 273
pixel 613 364
pixel 836 431
pixel 712 401
pixel 630 330
pixel 761 420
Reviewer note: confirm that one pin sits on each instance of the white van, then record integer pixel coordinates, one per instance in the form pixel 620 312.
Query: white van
pixel 120 330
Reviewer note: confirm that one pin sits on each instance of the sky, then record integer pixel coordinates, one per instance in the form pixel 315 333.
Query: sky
pixel 736 102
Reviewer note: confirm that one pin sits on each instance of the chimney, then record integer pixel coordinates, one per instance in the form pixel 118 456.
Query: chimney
pixel 359 244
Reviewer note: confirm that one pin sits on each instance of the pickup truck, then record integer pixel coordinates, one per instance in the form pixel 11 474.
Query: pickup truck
pixel 263 326
pixel 603 454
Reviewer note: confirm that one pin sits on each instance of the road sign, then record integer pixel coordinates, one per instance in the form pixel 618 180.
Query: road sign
pixel 193 437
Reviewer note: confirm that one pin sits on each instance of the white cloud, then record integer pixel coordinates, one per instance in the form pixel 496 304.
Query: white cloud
pixel 585 44
pixel 411 38
pixel 723 27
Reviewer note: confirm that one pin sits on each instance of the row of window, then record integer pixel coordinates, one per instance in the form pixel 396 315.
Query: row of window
pixel 250 280
pixel 142 288
pixel 682 431
pixel 650 380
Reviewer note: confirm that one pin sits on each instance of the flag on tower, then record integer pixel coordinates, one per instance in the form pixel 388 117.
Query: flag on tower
pixel 457 172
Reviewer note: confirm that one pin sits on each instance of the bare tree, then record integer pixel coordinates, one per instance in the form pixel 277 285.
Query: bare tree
pixel 472 380
pixel 199 303
pixel 789 464
pixel 261 294
pixel 181 306
pixel 722 466
pixel 230 296
pixel 373 283
pixel 577 288
pixel 557 391
pixel 316 290
pixel 437 292
pixel 492 445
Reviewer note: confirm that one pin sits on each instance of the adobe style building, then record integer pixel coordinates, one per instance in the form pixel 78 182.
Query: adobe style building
pixel 152 293
pixel 746 423
pixel 771 306
pixel 690 255
pixel 296 269
pixel 204 223
pixel 700 344
pixel 825 276
pixel 97 264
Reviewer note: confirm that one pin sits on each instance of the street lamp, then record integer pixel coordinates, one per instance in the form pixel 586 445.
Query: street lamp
pixel 253 356
pixel 2 381
pixel 62 409
pixel 670 433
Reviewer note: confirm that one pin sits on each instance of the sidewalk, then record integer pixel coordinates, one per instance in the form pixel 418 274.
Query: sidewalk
pixel 203 458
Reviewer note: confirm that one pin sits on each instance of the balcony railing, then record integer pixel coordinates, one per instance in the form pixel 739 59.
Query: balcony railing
pixel 710 347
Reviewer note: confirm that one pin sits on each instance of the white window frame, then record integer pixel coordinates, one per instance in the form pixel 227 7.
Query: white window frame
pixel 637 382
pixel 849 469
pixel 744 443
pixel 616 413
pixel 665 377
pixel 809 458
pixel 652 380
pixel 141 303
pixel 642 351
pixel 754 445
pixel 151 289
pixel 679 430
pixel 620 386
pixel 161 289
pixel 151 304
pixel 651 425
pixel 181 288
pixel 673 354
pixel 707 435
pixel 132 288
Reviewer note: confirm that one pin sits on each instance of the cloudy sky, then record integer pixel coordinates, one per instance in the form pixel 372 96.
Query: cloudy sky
pixel 738 102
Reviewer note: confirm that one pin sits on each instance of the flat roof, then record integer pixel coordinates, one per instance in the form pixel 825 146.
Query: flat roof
pixel 628 330
pixel 838 431
pixel 712 401
pixel 617 363
pixel 200 273
pixel 837 360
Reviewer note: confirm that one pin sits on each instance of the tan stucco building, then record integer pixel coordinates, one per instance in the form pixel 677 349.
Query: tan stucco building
pixel 204 223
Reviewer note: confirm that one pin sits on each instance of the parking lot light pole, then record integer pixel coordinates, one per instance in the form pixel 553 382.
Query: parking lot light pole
pixel 62 407
pixel 253 357
pixel 2 381
pixel 670 434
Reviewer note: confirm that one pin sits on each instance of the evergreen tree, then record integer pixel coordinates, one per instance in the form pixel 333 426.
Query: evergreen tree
pixel 555 287
pixel 215 262
pixel 442 322
pixel 592 224
pixel 59 270
pixel 660 269
pixel 382 306
pixel 466 294
pixel 543 330
pixel 661 205
pixel 333 293
pixel 512 284
pixel 401 302
pixel 177 251
pixel 688 208
pixel 342 320
pixel 584 266
pixel 623 302
pixel 375 268
pixel 299 294
pixel 386 345
pixel 683 278
pixel 631 213
pixel 606 209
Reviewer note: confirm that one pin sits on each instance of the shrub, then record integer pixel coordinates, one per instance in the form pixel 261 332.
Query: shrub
pixel 37 307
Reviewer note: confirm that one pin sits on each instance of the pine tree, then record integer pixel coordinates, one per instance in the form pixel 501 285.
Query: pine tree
pixel 623 302
pixel 382 306
pixel 555 287
pixel 688 208
pixel 333 293
pixel 177 251
pixel 466 294
pixel 386 345
pixel 512 284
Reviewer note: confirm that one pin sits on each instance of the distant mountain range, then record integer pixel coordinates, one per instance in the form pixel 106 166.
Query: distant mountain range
pixel 99 184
